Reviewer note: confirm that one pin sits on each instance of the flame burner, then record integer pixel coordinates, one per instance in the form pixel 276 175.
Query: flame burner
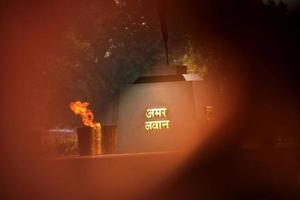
pixel 89 140
pixel 95 141
pixel 109 139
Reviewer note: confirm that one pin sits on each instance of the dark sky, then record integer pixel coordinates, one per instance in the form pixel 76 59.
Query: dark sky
pixel 292 3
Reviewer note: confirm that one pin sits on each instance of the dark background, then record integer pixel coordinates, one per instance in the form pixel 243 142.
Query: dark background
pixel 259 49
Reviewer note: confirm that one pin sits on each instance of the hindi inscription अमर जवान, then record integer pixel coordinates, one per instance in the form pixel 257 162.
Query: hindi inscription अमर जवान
pixel 156 124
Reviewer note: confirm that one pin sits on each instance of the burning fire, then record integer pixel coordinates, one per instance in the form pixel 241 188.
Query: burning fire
pixel 87 117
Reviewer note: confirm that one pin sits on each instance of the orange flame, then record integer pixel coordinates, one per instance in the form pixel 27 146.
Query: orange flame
pixel 87 117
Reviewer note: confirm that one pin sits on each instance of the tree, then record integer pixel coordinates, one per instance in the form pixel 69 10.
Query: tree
pixel 104 46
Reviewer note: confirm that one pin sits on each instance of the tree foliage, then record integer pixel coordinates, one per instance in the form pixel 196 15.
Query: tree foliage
pixel 104 46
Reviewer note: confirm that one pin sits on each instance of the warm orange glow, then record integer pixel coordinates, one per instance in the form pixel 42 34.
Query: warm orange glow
pixel 156 125
pixel 87 117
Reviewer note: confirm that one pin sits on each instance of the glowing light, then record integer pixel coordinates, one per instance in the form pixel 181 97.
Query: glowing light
pixel 87 117
pixel 156 124
pixel 156 112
